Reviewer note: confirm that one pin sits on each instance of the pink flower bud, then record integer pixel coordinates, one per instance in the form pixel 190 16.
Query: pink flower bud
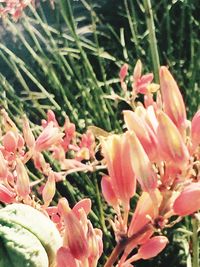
pixel 137 70
pixel 50 136
pixel 144 133
pixel 123 72
pixel 141 82
pixel 172 147
pixel 6 196
pixel 141 164
pixel 10 141
pixel 49 189
pixel 152 247
pixel 172 99
pixel 116 150
pixel 84 204
pixel 195 129
pixel 3 167
pixel 22 183
pixel 108 192
pixel 65 258
pixel 51 117
pixel 93 245
pixel 75 237
pixel 28 135
pixel 188 201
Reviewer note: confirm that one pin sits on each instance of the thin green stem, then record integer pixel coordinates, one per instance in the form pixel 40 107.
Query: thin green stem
pixel 195 243
pixel 152 38
pixel 102 218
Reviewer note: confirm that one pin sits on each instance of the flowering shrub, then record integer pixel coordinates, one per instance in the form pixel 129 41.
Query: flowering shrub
pixel 157 155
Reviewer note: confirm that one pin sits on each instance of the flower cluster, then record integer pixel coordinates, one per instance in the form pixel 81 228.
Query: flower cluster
pixel 14 7
pixel 159 150
pixel 158 156
pixel 62 143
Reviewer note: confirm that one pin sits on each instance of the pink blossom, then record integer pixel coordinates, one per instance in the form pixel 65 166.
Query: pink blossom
pixel 188 200
pixel 172 99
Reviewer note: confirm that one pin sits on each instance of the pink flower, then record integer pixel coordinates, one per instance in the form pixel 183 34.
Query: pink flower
pixel 6 196
pixel 75 237
pixel 3 167
pixel 172 147
pixel 65 258
pixel 116 150
pixel 50 136
pixel 22 183
pixel 49 189
pixel 173 103
pixel 141 164
pixel 141 82
pixel 152 247
pixel 188 201
pixel 122 75
pixel 144 133
pixel 10 141
pixel 195 129
pixel 108 192
pixel 27 133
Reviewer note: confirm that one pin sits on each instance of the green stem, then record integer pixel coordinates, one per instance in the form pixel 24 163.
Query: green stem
pixel 195 243
pixel 152 38
pixel 100 205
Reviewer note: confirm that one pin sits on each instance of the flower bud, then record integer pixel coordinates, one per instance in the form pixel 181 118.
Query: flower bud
pixel 195 129
pixel 10 141
pixel 173 103
pixel 6 196
pixel 141 164
pixel 108 191
pixel 65 258
pixel 49 189
pixel 28 135
pixel 74 237
pixel 22 183
pixel 172 147
pixel 188 201
pixel 152 247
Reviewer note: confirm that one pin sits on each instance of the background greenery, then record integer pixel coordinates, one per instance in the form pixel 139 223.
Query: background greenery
pixel 68 59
